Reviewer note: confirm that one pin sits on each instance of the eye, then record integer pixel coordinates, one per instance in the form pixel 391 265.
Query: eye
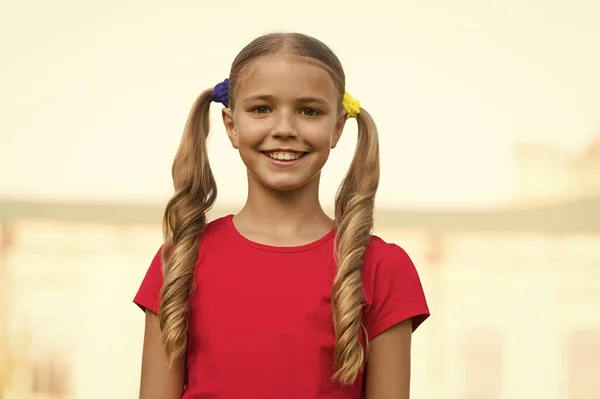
pixel 310 112
pixel 260 109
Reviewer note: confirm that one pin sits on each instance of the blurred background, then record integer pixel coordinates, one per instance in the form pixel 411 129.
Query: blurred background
pixel 489 119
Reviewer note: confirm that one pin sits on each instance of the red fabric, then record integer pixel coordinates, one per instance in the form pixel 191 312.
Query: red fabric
pixel 260 322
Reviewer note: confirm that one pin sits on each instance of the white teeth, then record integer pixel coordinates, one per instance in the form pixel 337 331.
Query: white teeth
pixel 284 156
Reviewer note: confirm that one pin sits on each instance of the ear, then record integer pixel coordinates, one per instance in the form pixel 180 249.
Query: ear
pixel 339 127
pixel 230 127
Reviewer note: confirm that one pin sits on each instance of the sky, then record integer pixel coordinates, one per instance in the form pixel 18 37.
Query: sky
pixel 94 95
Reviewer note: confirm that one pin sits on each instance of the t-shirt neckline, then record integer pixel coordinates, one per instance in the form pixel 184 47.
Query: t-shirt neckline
pixel 272 248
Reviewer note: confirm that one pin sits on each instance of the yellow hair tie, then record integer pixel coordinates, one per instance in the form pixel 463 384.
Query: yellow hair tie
pixel 351 105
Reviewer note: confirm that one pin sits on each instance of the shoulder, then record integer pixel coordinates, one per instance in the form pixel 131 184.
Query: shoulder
pixel 216 228
pixel 380 254
pixel 219 224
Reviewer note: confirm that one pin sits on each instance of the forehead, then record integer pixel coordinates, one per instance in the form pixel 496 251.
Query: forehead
pixel 286 75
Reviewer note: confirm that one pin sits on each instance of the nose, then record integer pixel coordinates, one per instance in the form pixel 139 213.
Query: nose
pixel 284 126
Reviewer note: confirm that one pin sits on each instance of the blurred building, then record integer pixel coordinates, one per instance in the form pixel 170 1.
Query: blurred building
pixel 515 295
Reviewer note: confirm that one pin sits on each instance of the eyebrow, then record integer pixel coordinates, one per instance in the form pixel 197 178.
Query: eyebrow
pixel 267 97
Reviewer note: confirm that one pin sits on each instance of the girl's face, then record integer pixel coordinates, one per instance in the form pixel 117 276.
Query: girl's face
pixel 285 120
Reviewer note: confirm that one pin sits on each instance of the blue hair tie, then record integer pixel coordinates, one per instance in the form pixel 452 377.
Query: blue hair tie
pixel 221 93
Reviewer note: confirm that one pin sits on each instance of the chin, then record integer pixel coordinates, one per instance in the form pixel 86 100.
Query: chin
pixel 274 178
pixel 285 182
pixel 284 185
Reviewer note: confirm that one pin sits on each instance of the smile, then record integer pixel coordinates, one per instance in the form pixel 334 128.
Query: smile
pixel 284 155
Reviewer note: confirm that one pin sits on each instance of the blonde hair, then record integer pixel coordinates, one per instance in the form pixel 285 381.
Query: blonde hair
pixel 195 194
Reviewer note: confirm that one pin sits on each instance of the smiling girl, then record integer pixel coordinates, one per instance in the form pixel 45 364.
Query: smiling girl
pixel 279 300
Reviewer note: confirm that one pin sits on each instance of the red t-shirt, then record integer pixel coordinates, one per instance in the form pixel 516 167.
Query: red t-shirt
pixel 260 323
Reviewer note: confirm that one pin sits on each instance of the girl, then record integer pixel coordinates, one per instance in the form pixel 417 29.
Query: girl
pixel 278 301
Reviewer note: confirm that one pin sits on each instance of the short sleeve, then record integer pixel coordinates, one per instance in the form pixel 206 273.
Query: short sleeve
pixel 148 295
pixel 393 291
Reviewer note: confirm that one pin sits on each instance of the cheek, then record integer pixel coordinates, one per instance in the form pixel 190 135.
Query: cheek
pixel 251 134
pixel 320 135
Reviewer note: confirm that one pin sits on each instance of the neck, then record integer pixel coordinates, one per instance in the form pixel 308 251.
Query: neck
pixel 284 211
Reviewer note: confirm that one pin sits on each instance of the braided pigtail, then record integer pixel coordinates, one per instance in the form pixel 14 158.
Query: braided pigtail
pixel 184 219
pixel 354 204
